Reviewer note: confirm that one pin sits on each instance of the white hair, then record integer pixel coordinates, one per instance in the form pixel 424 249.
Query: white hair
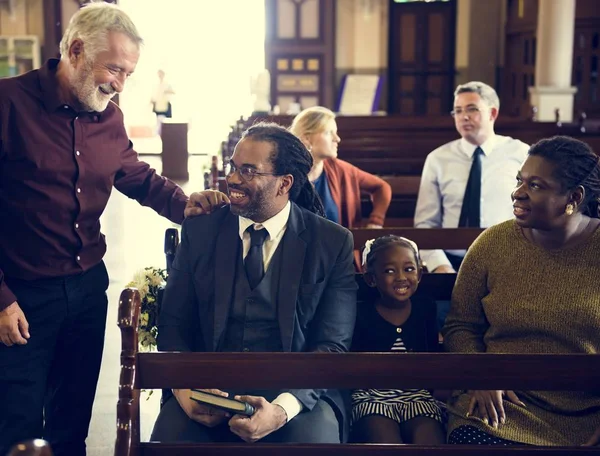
pixel 92 23
pixel 487 93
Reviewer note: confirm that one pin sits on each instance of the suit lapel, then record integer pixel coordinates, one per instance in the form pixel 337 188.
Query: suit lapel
pixel 292 263
pixel 226 253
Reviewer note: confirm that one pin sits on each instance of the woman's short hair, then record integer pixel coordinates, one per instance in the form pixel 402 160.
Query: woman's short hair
pixel 311 120
pixel 374 246
pixel 575 164
pixel 92 24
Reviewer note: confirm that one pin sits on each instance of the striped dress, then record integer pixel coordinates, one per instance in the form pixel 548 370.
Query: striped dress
pixel 375 334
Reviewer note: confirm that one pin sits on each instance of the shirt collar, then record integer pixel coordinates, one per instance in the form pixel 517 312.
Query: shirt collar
pixel 51 95
pixel 487 146
pixel 274 225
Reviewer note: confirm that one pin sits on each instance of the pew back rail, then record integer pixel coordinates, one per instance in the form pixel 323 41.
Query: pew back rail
pixel 348 370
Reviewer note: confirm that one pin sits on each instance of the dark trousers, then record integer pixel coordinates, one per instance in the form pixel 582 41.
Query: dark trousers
pixel 319 425
pixel 455 260
pixel 47 386
pixel 443 307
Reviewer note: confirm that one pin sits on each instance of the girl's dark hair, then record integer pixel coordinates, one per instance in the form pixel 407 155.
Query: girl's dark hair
pixel 289 156
pixel 382 243
pixel 575 164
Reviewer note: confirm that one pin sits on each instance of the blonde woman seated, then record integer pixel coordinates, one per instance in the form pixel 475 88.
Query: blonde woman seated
pixel 338 183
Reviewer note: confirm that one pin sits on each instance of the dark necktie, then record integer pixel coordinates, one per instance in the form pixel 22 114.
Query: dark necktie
pixel 253 263
pixel 470 213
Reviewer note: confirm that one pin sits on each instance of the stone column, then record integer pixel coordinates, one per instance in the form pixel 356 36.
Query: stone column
pixel 554 60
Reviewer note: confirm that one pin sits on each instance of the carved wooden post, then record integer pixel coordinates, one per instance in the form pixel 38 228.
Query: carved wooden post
pixel 582 119
pixel 128 419
pixel 534 112
pixel 36 447
pixel 214 173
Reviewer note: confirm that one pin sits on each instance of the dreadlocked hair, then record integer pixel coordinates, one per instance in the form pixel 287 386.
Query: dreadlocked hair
pixel 382 243
pixel 575 164
pixel 289 156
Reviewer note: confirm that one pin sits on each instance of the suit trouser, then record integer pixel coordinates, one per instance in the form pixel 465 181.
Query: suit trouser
pixel 320 425
pixel 47 386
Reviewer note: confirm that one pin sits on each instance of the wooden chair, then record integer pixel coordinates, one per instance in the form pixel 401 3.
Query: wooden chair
pixel 36 447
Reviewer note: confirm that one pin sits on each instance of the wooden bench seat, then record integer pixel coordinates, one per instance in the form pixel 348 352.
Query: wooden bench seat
pixel 346 370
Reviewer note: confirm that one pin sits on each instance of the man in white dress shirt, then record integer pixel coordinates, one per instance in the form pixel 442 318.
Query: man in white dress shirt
pixel 447 169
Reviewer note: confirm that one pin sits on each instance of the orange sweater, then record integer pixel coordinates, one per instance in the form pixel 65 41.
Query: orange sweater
pixel 346 183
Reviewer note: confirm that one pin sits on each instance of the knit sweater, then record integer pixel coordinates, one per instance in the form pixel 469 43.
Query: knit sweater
pixel 512 296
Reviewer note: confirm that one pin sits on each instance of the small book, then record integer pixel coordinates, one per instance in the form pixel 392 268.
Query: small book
pixel 224 403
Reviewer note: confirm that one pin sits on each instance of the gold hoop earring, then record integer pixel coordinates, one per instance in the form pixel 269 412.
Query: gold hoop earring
pixel 569 209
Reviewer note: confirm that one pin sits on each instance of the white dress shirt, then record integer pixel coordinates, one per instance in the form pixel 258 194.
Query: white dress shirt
pixel 276 227
pixel 444 180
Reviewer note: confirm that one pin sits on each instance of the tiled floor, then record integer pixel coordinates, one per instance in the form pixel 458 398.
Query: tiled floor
pixel 135 240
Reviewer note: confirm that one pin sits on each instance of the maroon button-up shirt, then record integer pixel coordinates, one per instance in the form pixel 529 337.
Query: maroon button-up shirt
pixel 57 169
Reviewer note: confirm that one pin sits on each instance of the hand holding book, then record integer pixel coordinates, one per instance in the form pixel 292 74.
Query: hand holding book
pixel 203 414
pixel 232 406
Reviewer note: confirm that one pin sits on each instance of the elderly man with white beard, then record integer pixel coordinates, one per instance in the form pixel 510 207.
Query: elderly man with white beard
pixel 63 147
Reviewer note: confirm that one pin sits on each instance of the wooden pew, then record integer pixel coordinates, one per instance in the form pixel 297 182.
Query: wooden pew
pixel 425 238
pixel 398 146
pixel 348 371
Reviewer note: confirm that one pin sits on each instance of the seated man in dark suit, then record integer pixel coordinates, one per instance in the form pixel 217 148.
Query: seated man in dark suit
pixel 266 274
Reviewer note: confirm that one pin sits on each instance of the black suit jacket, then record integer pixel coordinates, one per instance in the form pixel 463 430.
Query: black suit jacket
pixel 317 289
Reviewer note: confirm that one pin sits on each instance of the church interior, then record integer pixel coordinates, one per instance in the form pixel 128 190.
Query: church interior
pixel 387 68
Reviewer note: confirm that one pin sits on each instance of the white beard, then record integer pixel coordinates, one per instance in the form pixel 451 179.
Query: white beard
pixel 88 93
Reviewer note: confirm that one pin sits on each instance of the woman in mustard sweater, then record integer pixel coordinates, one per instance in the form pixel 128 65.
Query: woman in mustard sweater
pixel 532 285
pixel 339 183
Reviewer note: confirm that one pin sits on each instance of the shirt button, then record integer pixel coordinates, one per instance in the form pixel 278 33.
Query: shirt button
pixel 78 258
pixel 77 153
pixel 398 330
pixel 66 106
pixel 78 190
pixel 77 226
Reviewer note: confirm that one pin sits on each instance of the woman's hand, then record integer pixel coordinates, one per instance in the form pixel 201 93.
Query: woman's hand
pixel 594 440
pixel 487 405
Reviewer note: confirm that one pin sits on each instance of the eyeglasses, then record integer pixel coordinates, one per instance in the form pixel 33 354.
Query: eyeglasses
pixel 247 172
pixel 470 111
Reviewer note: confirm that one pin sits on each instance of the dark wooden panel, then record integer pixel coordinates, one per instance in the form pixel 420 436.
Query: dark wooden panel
pixel 421 46
pixel 372 370
pixel 426 238
pixel 322 48
pixel 52 29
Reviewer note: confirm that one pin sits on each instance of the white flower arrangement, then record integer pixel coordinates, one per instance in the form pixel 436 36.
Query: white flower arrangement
pixel 149 282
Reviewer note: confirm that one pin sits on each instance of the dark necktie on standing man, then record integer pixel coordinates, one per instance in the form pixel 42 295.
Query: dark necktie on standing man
pixel 254 265
pixel 470 214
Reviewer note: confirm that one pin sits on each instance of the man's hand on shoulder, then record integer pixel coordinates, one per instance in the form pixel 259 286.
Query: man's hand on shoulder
pixel 202 203
pixel 267 419
pixel 14 328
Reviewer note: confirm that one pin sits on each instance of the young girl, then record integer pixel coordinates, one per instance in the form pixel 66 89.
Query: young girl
pixel 398 323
